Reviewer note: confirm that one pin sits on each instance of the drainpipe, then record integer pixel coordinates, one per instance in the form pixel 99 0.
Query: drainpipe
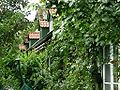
pixel 19 70
pixel 51 23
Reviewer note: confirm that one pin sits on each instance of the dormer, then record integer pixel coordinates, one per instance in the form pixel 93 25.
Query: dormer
pixel 33 37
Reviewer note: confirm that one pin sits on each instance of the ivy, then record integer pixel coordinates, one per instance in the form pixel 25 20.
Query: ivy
pixel 81 31
pixel 73 58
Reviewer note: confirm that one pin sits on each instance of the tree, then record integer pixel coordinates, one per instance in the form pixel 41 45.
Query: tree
pixel 12 21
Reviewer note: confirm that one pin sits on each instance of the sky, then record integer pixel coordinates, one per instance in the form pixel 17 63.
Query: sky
pixel 31 16
pixel 33 1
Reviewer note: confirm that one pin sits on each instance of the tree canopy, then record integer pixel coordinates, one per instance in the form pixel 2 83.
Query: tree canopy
pixel 12 21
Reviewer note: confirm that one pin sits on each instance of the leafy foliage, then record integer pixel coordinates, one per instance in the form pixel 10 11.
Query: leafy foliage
pixel 70 61
pixel 12 21
pixel 81 31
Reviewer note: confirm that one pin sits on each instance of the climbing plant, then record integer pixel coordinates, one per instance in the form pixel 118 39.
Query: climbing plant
pixel 73 59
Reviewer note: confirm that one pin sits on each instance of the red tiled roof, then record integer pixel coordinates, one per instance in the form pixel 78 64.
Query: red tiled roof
pixel 22 47
pixel 34 35
pixel 44 24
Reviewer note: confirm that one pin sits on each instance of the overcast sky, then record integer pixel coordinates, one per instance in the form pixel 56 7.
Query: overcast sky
pixel 31 17
pixel 33 1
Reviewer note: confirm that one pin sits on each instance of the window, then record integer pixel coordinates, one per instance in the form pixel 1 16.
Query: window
pixel 111 77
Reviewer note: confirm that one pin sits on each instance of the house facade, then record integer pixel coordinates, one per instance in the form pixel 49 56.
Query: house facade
pixel 37 41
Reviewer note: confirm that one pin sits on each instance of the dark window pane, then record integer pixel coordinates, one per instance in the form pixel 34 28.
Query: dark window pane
pixel 107 87
pixel 116 87
pixel 107 73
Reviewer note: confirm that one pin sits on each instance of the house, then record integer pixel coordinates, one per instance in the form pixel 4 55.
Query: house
pixel 37 40
pixel 109 73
